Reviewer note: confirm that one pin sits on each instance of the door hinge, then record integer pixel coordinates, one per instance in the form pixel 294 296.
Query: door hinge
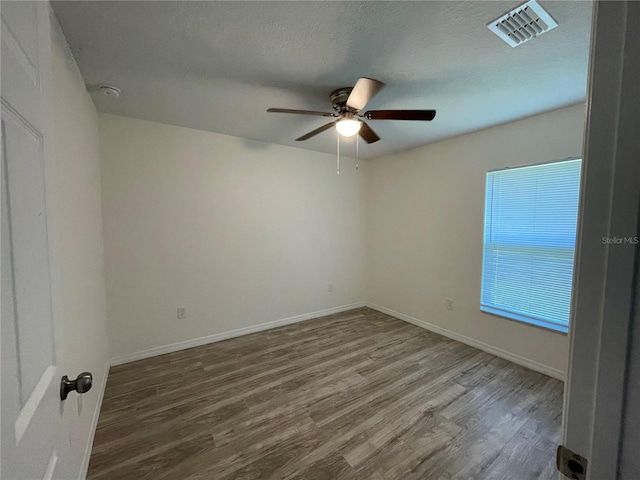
pixel 571 464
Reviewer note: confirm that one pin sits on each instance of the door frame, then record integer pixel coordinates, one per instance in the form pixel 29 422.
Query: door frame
pixel 605 275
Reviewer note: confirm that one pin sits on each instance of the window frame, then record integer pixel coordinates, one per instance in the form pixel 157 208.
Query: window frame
pixel 527 318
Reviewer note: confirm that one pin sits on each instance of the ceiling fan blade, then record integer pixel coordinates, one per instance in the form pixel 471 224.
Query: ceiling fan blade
pixel 400 115
pixel 315 132
pixel 367 134
pixel 364 90
pixel 302 112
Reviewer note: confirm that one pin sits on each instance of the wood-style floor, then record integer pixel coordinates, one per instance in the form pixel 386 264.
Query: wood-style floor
pixel 355 395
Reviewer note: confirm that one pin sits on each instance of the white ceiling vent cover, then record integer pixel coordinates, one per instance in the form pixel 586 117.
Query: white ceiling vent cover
pixel 523 23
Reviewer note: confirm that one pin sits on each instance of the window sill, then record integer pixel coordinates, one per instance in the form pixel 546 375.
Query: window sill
pixel 553 327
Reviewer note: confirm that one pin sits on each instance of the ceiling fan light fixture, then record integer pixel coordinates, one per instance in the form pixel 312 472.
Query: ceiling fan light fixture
pixel 348 127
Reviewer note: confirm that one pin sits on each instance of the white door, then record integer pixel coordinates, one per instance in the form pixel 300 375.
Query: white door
pixel 34 434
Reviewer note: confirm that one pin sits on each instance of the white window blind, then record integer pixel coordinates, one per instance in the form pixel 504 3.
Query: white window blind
pixel 529 240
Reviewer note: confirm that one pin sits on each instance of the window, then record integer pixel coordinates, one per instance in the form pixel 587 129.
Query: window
pixel 529 239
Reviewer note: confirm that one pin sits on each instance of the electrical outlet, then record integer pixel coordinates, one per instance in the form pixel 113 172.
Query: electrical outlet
pixel 449 303
pixel 330 288
pixel 182 313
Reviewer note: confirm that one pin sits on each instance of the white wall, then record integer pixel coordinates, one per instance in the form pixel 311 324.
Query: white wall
pixel 239 232
pixel 76 247
pixel 425 231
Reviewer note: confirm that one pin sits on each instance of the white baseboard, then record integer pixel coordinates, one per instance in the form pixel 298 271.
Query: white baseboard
pixel 94 424
pixel 196 342
pixel 498 352
pixel 174 347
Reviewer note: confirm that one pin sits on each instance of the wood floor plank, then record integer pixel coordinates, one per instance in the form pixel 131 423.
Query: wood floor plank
pixel 357 395
pixel 331 467
pixel 510 463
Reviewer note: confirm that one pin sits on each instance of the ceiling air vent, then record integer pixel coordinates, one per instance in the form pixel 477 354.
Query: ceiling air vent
pixel 523 23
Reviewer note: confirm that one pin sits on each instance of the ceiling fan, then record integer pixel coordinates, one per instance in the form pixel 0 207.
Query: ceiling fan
pixel 347 103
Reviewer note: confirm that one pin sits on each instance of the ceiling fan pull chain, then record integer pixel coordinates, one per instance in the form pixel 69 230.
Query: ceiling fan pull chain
pixel 357 152
pixel 338 156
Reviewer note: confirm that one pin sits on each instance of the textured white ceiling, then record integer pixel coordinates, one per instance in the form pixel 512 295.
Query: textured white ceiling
pixel 218 66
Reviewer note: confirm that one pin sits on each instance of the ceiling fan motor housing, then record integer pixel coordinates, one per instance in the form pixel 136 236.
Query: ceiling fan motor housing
pixel 339 100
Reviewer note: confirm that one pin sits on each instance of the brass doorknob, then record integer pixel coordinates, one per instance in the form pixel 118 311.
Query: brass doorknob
pixel 81 384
